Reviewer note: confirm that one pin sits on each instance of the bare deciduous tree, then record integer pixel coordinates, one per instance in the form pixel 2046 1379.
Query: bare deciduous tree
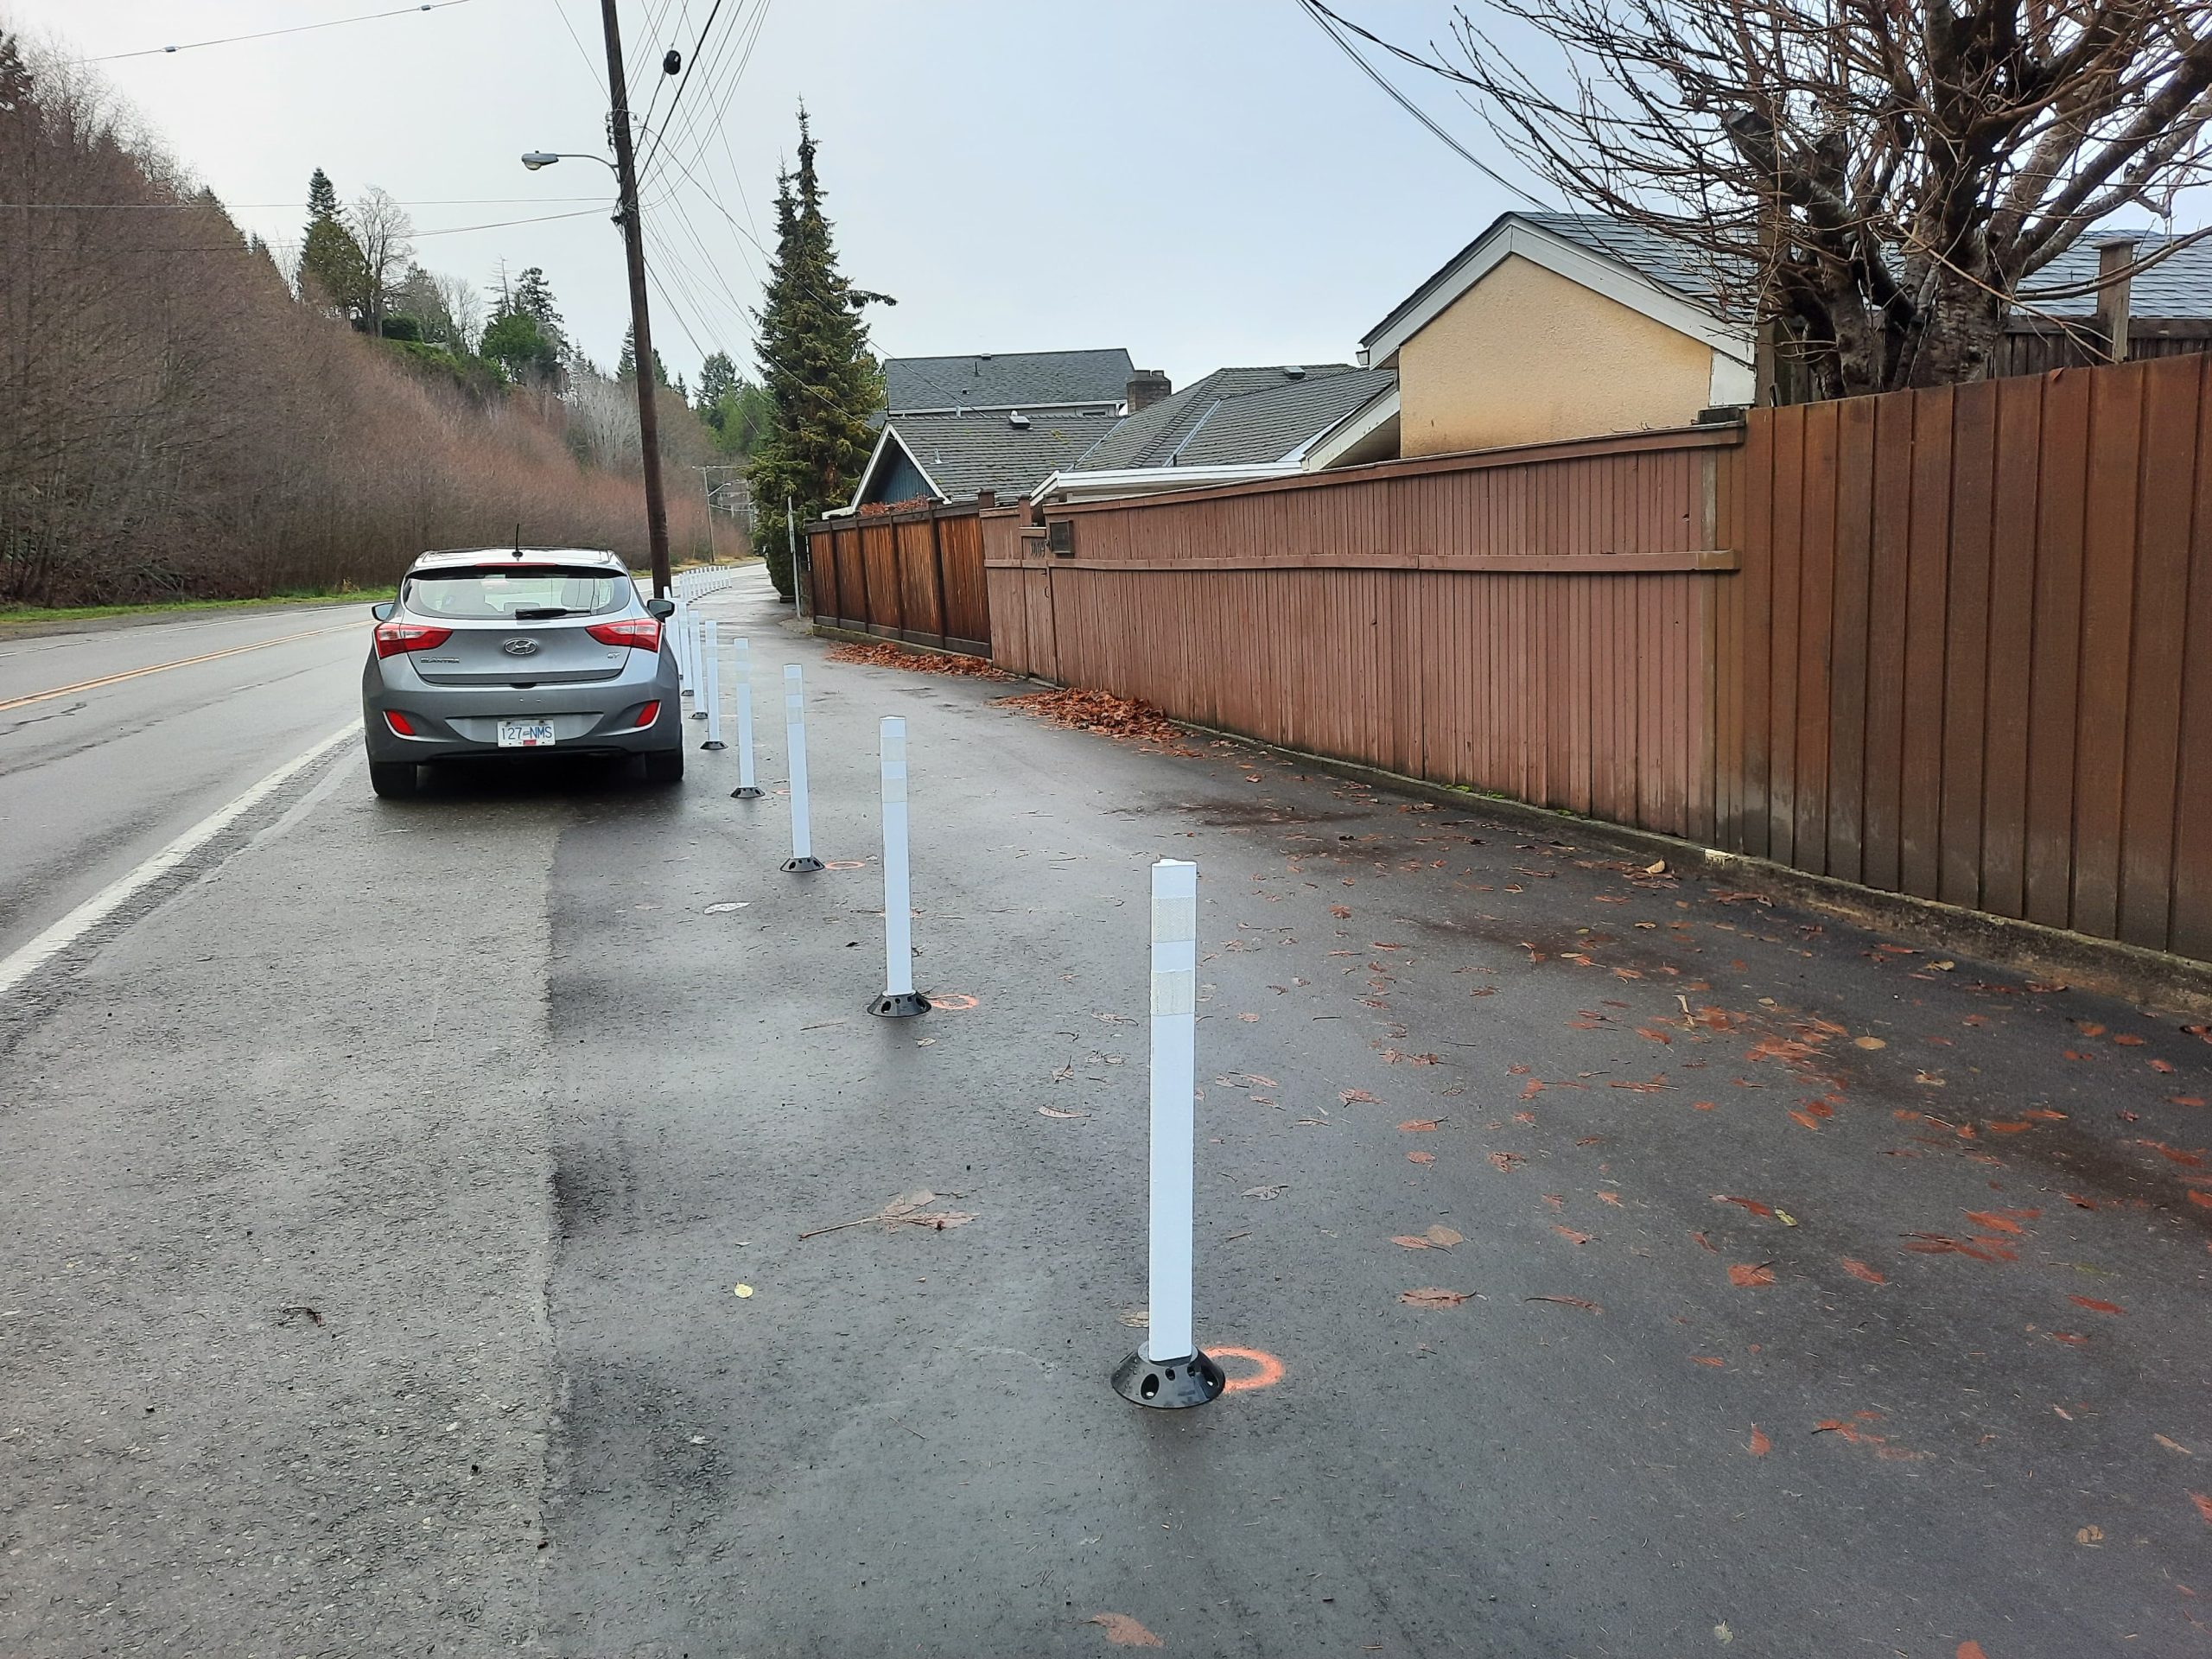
pixel 1879 179
pixel 385 234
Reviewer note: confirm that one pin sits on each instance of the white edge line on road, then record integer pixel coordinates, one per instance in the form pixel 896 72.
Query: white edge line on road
pixel 23 962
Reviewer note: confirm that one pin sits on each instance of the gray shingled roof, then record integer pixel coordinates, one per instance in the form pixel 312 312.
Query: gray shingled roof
pixel 1006 379
pixel 968 453
pixel 1257 408
pixel 2178 286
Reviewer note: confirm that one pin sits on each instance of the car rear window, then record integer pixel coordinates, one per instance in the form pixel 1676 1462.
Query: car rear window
pixel 496 593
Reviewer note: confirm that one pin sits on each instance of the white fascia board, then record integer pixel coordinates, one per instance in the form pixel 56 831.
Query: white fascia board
pixel 875 456
pixel 1148 480
pixel 1089 406
pixel 1325 446
pixel 1578 264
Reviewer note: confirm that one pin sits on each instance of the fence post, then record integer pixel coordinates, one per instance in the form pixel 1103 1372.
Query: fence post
pixel 900 998
pixel 1168 1371
pixel 802 860
pixel 741 667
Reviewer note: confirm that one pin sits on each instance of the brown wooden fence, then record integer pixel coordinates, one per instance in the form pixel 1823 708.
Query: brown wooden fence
pixel 1954 643
pixel 915 576
pixel 1534 621
pixel 1969 652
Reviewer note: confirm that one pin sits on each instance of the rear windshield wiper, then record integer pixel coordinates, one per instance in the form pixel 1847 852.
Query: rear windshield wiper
pixel 539 613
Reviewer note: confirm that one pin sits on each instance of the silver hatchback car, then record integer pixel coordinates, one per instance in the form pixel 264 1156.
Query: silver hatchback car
pixel 516 652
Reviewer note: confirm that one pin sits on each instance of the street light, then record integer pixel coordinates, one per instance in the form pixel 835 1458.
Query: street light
pixel 537 158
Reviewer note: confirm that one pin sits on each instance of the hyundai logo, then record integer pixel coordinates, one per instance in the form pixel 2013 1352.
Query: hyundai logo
pixel 521 645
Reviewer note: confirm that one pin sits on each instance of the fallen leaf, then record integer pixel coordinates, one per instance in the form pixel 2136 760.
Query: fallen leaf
pixel 1417 1125
pixel 1994 1222
pixel 1744 1276
pixel 1421 1157
pixel 1869 1042
pixel 1407 1242
pixel 1707 1359
pixel 2173 1445
pixel 2094 1306
pixel 1507 1161
pixel 1274 1191
pixel 1707 1243
pixel 1351 1097
pixel 2203 1506
pixel 1859 1269
pixel 2091 1536
pixel 1123 1631
pixel 1432 1296
pixel 1054 1111
pixel 1443 1237
pixel 1970 1650
pixel 1751 1205
pixel 1613 1199
pixel 1571 1236
pixel 1567 1302
pixel 1760 1444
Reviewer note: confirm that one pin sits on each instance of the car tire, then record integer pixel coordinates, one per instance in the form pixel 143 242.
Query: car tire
pixel 663 765
pixel 393 779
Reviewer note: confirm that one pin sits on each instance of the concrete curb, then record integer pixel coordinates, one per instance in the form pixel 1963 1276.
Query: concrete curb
pixel 2151 979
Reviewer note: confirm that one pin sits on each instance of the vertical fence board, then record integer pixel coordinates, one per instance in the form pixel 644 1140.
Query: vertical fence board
pixel 1922 718
pixel 2166 486
pixel 2191 925
pixel 1965 641
pixel 2055 689
pixel 2107 630
pixel 1888 575
pixel 2013 557
pixel 1863 478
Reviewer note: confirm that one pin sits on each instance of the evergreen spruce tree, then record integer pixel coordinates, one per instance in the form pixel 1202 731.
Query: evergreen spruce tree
pixel 626 365
pixel 822 383
pixel 333 269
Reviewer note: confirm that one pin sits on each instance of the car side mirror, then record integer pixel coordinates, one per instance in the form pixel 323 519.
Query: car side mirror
pixel 383 613
pixel 663 608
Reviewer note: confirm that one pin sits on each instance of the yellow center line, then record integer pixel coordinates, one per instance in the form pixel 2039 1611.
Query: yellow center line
pixel 182 661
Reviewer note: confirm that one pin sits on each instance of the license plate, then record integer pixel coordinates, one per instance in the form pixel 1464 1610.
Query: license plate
pixel 525 734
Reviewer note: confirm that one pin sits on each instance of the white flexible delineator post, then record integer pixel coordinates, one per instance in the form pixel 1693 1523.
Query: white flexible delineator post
pixel 1174 1114
pixel 802 859
pixel 899 997
pixel 741 670
pixel 679 641
pixel 1169 1369
pixel 712 684
pixel 700 669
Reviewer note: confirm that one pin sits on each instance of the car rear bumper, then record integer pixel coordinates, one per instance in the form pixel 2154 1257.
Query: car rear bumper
pixel 457 723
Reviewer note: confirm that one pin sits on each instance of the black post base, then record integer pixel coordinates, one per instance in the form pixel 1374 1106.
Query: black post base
pixel 711 744
pixel 803 865
pixel 698 713
pixel 901 1006
pixel 1169 1385
pixel 747 793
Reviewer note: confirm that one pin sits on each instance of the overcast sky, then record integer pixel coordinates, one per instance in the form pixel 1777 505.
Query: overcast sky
pixel 1204 181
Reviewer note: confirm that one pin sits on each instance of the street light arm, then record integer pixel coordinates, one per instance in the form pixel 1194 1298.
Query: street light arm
pixel 537 158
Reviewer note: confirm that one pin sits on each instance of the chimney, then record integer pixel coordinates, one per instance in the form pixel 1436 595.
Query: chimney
pixel 1146 388
pixel 2114 255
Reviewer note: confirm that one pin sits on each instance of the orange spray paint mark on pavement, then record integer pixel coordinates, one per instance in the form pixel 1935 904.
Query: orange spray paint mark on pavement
pixel 1269 1374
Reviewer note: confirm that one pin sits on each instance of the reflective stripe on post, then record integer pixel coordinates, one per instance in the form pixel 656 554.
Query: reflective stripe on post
pixel 900 998
pixel 741 668
pixel 802 860
pixel 1167 1369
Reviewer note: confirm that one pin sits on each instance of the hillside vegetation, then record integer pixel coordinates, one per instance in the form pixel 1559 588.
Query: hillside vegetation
pixel 175 420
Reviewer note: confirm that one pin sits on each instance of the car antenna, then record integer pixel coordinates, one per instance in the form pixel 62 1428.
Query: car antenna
pixel 518 538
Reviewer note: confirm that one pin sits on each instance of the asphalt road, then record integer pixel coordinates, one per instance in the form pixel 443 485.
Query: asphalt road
pixel 1776 1291
pixel 112 742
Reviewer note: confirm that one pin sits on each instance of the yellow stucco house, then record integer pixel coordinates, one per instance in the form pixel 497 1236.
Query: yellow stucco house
pixel 1548 326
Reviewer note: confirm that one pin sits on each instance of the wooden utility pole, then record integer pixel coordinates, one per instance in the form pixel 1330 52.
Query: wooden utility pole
pixel 633 238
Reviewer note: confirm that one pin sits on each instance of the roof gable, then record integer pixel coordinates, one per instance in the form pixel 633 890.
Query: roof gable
pixel 962 454
pixel 1598 253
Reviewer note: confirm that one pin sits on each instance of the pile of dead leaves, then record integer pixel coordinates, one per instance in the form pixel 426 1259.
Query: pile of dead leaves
pixel 918 662
pixel 1124 719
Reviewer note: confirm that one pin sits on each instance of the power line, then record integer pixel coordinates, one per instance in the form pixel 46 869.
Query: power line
pixel 266 33
pixel 682 83
pixel 598 75
pixel 244 206
pixel 1323 17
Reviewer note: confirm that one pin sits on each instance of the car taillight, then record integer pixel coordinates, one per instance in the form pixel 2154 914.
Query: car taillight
pixel 399 722
pixel 639 633
pixel 647 715
pixel 393 637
